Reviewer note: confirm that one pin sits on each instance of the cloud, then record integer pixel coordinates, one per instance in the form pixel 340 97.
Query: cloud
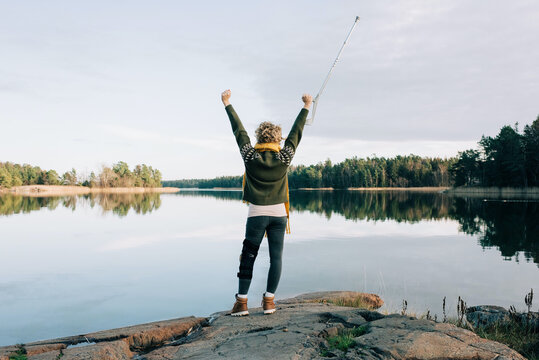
pixel 416 70
pixel 314 149
pixel 417 76
pixel 137 135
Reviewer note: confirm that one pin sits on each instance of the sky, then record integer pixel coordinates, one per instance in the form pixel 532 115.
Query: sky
pixel 87 84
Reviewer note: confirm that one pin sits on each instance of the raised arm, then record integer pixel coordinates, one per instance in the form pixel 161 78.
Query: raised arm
pixel 294 136
pixel 237 127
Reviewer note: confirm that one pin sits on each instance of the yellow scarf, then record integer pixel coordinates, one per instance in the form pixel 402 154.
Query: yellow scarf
pixel 273 147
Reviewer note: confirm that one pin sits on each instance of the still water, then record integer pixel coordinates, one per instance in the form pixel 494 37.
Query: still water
pixel 71 265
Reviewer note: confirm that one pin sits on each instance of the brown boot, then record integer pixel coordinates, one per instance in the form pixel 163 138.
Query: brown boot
pixel 240 307
pixel 268 305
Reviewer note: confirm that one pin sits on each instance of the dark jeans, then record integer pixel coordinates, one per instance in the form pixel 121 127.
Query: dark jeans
pixel 254 232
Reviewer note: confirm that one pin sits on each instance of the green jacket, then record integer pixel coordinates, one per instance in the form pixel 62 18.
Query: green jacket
pixel 266 180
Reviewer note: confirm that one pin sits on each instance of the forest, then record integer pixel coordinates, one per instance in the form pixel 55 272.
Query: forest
pixel 399 171
pixel 511 159
pixel 119 175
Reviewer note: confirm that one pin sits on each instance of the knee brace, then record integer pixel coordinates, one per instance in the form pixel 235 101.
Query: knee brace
pixel 247 259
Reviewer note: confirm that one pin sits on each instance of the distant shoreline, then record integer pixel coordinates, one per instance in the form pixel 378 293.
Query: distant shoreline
pixel 66 190
pixel 494 192
pixel 416 189
pixel 487 192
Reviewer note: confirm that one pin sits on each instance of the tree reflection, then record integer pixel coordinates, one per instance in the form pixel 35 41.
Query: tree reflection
pixel 512 226
pixel 119 204
pixel 373 206
pixel 217 194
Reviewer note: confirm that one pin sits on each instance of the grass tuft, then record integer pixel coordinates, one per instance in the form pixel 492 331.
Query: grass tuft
pixel 20 354
pixel 345 339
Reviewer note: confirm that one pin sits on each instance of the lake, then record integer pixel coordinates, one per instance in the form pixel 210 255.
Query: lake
pixel 72 265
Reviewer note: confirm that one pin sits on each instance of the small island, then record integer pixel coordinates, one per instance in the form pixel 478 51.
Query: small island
pixel 30 180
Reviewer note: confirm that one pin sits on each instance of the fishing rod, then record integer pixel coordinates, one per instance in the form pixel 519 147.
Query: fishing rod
pixel 315 101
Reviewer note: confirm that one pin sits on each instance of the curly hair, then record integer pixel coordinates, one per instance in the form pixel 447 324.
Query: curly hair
pixel 268 133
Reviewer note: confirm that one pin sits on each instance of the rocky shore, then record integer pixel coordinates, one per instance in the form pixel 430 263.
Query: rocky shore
pixel 302 328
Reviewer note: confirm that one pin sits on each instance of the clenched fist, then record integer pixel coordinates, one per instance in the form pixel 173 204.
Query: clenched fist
pixel 307 100
pixel 225 97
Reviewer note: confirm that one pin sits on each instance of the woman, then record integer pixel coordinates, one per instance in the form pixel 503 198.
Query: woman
pixel 265 188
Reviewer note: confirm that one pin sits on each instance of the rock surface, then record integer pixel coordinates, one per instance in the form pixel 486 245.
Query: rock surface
pixel 297 330
pixel 112 344
pixel 485 315
pixel 402 337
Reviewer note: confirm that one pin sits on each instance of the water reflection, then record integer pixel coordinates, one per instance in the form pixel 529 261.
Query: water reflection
pixel 358 205
pixel 217 194
pixel 511 226
pixel 118 204
pixel 354 205
pixel 400 245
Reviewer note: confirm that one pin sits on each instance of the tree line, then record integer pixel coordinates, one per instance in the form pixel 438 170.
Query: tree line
pixel 510 159
pixel 221 181
pixel 399 171
pixel 119 175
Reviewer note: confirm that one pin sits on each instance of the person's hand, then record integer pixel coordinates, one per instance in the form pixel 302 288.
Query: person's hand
pixel 307 101
pixel 225 97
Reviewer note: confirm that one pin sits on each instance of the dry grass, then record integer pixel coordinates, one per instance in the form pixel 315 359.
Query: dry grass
pixel 357 302
pixel 349 301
